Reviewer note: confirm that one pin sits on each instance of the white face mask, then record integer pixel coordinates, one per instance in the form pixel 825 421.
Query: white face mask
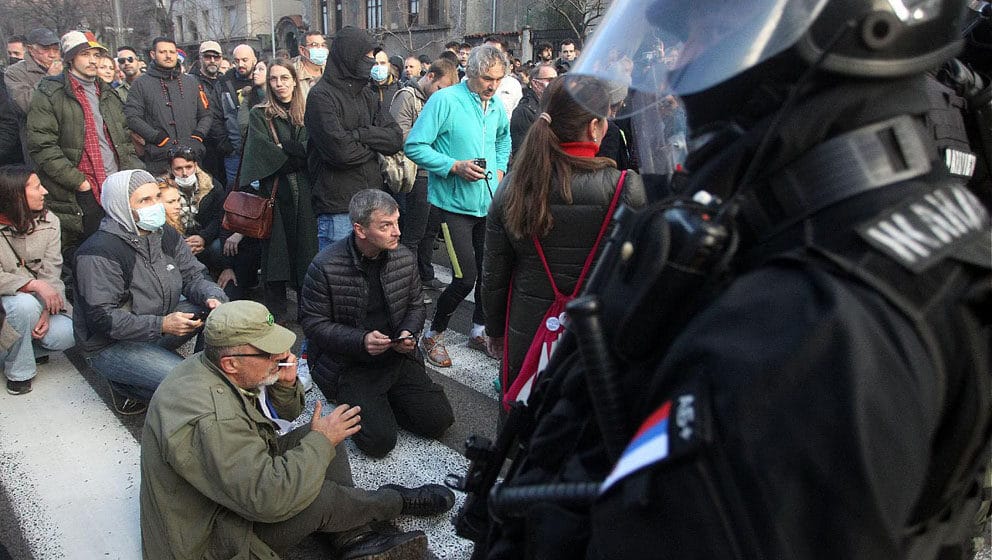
pixel 151 218
pixel 186 181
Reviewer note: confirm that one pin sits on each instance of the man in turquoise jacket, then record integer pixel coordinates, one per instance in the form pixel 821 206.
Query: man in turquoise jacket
pixel 462 139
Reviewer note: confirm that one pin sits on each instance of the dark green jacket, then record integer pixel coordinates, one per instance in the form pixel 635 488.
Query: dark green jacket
pixel 212 467
pixel 56 133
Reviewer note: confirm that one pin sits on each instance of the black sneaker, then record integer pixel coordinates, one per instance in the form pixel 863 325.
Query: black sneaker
pixel 41 360
pixel 126 406
pixel 411 545
pixel 426 501
pixel 18 387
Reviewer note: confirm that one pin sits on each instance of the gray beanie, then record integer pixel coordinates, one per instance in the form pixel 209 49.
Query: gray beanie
pixel 139 177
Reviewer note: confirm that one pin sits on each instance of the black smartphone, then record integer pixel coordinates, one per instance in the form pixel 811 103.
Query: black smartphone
pixel 401 338
pixel 481 162
pixel 201 315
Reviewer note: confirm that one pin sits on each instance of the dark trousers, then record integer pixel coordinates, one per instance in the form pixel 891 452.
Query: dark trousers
pixel 417 229
pixel 399 395
pixel 340 508
pixel 466 239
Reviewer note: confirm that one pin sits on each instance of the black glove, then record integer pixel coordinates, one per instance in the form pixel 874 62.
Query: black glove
pixel 293 164
pixel 294 149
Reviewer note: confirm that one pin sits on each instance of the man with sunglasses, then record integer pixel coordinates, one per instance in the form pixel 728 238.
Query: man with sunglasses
pixel 127 60
pixel 215 474
pixel 225 135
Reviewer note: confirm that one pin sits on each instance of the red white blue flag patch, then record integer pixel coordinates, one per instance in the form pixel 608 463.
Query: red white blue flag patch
pixel 650 445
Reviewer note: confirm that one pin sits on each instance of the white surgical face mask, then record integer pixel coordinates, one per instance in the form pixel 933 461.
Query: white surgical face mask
pixel 186 181
pixel 318 55
pixel 379 72
pixel 151 218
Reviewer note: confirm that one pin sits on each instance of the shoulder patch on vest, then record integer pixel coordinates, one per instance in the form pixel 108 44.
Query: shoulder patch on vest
pixel 676 429
pixel 924 230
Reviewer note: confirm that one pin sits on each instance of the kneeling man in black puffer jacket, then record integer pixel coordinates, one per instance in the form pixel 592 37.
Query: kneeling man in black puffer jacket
pixel 362 306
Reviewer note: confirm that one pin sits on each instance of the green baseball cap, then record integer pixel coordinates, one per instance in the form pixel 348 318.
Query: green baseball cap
pixel 247 322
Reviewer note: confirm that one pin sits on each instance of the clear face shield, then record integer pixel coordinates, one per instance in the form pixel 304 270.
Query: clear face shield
pixel 650 53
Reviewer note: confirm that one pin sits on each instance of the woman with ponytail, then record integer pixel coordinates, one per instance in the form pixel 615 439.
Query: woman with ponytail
pixel 558 194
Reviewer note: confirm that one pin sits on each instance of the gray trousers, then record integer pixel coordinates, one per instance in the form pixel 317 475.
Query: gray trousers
pixel 340 508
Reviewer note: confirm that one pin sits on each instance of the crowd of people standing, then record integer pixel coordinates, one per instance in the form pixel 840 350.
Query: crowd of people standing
pixel 114 190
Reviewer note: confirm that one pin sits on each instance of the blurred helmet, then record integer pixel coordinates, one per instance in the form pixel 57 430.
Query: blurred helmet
pixel 682 47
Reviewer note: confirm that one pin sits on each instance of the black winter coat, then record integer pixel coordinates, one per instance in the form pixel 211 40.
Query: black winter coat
pixel 347 131
pixel 166 109
pixel 335 301
pixel 566 247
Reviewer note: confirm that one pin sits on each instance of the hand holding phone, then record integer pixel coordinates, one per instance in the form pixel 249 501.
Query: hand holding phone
pixel 401 338
pixel 201 315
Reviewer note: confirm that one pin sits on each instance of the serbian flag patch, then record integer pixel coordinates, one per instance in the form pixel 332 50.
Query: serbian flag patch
pixel 649 445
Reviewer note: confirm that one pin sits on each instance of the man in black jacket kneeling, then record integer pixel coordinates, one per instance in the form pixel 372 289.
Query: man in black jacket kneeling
pixel 362 306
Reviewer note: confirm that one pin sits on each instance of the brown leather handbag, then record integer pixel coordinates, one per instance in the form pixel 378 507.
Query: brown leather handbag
pixel 247 213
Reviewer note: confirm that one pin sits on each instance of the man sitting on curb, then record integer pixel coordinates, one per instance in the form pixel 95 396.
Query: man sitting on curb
pixel 362 305
pixel 215 476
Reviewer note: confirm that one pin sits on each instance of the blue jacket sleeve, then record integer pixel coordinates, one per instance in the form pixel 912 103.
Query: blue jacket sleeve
pixel 419 144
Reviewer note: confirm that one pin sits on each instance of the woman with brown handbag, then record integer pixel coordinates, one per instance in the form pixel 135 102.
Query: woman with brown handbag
pixel 275 155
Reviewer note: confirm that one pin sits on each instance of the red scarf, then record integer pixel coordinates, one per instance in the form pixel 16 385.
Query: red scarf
pixel 580 149
pixel 91 162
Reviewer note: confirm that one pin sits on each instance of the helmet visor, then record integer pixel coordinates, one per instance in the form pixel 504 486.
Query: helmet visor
pixel 659 48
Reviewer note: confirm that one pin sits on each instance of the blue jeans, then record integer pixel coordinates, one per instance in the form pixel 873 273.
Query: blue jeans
pixel 135 369
pixel 331 228
pixel 23 312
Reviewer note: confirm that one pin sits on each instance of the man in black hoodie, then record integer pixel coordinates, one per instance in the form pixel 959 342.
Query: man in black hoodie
pixel 167 108
pixel 348 130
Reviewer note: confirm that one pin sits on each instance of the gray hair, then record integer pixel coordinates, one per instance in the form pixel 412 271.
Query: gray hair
pixel 365 202
pixel 537 69
pixel 483 58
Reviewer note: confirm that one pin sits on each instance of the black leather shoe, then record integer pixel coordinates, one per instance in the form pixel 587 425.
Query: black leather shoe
pixel 411 545
pixel 426 501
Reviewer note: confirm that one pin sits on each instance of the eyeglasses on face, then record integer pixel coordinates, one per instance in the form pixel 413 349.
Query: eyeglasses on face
pixel 208 56
pixel 123 59
pixel 265 355
pixel 316 45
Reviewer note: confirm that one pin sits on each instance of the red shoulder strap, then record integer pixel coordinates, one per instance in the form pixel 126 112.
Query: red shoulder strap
pixel 595 246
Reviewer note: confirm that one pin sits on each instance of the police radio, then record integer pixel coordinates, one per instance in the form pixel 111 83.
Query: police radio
pixel 655 269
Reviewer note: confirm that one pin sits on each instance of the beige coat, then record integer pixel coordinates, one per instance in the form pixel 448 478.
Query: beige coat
pixel 41 251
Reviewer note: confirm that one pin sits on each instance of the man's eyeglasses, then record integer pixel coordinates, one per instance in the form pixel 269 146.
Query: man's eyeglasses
pixel 265 355
pixel 123 59
pixel 208 56
pixel 317 45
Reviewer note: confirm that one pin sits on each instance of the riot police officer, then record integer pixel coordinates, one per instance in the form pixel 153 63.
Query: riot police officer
pixel 829 395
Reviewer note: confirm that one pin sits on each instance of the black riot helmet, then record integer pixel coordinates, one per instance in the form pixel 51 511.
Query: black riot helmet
pixel 682 47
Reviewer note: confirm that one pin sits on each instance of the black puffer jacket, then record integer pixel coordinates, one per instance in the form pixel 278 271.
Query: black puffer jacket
pixel 346 126
pixel 566 247
pixel 335 301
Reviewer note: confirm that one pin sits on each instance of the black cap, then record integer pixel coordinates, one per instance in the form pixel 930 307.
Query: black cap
pixel 43 37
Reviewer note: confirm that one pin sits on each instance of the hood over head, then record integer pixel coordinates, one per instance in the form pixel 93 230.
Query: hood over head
pixel 348 52
pixel 115 196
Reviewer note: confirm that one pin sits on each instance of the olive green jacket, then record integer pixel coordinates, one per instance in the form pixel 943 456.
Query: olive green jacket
pixel 56 136
pixel 210 466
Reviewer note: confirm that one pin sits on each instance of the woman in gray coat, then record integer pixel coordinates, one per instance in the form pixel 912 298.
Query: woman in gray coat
pixel 558 193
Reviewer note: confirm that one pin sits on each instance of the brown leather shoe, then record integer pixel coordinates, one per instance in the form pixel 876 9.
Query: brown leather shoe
pixel 435 351
pixel 480 343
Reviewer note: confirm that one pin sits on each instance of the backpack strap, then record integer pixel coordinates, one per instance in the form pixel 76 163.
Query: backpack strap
pixel 595 246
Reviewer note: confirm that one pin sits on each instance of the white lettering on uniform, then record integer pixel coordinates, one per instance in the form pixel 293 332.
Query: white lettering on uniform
pixel 900 236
